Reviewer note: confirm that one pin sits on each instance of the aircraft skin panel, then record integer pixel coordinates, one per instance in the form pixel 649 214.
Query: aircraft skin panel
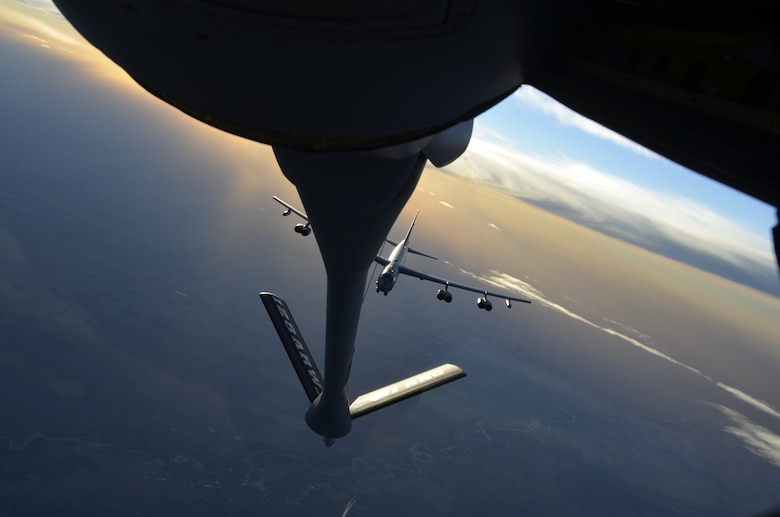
pixel 293 342
pixel 404 389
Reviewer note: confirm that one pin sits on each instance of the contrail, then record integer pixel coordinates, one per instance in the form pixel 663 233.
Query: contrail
pixel 511 283
pixel 349 506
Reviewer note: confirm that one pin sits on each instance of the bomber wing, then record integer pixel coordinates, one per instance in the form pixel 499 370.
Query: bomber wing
pixel 290 208
pixel 303 229
pixel 446 283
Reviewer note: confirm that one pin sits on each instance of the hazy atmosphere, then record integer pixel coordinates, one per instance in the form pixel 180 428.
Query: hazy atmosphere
pixel 142 376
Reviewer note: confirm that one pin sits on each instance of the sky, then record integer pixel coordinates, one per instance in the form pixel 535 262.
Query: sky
pixel 134 240
pixel 555 131
pixel 559 160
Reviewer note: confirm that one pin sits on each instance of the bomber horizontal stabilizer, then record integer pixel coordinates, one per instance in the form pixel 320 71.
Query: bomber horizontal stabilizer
pixel 293 342
pixel 403 389
pixel 411 250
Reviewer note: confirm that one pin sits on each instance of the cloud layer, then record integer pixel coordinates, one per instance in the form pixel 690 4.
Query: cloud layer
pixel 675 227
pixel 758 439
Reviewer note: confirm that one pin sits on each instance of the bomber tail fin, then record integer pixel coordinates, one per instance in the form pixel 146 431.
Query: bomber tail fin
pixel 406 240
pixel 409 233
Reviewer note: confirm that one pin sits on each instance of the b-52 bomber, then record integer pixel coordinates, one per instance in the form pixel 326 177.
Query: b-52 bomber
pixel 394 266
pixel 330 411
